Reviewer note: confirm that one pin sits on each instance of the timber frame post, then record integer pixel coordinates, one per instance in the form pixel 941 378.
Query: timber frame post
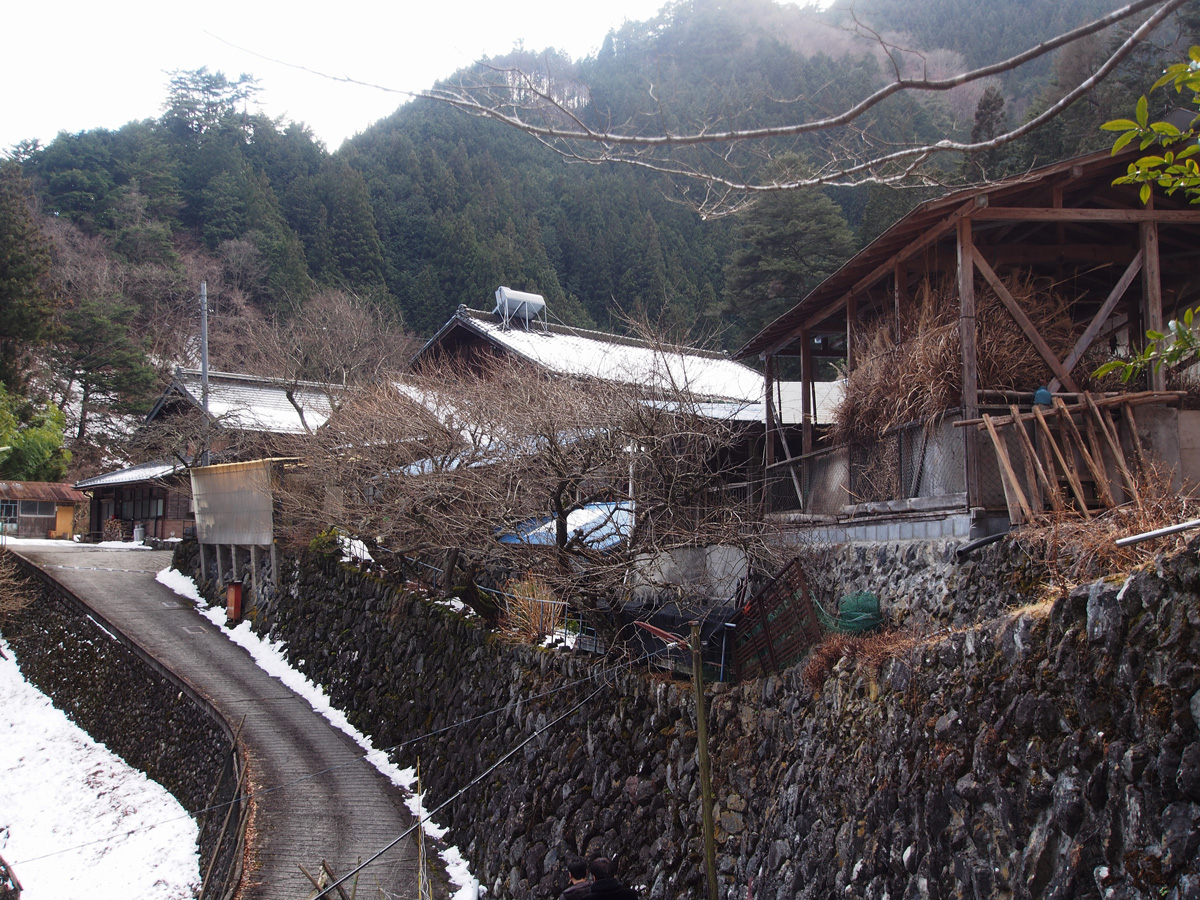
pixel 807 392
pixel 1152 314
pixel 970 370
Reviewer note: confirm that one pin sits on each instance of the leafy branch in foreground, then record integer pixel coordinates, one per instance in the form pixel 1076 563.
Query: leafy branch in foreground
pixel 1172 169
pixel 1179 345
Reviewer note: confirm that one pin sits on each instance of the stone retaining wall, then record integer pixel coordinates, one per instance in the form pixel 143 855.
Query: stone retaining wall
pixel 123 701
pixel 1052 751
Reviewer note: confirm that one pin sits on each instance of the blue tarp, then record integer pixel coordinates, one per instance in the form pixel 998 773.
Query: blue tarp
pixel 600 525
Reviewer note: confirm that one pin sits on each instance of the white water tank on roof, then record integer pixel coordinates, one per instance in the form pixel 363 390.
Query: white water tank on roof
pixel 512 304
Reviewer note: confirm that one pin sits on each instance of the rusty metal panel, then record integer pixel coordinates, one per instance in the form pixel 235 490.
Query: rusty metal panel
pixel 777 626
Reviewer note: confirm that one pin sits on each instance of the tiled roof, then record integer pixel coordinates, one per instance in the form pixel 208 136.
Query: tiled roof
pixel 149 471
pixel 250 403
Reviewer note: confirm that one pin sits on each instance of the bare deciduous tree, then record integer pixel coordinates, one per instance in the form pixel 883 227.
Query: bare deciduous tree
pixel 527 474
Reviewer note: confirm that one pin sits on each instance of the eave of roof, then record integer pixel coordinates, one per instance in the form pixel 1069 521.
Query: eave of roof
pixel 911 229
pixel 41 490
pixel 148 471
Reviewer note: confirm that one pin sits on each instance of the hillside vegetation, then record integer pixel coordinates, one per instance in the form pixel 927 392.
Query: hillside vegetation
pixel 430 208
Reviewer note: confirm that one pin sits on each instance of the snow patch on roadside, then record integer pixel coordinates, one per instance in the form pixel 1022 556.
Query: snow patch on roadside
pixel 269 655
pixel 76 821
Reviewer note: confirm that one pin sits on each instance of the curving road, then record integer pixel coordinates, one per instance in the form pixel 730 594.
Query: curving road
pixel 315 798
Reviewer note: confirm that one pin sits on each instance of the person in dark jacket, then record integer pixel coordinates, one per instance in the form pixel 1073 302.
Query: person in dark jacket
pixel 605 883
pixel 579 886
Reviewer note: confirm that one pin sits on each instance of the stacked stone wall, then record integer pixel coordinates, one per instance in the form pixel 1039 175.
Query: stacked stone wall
pixel 1047 751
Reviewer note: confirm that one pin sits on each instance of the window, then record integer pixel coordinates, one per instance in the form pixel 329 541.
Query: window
pixel 8 512
pixel 37 508
pixel 142 505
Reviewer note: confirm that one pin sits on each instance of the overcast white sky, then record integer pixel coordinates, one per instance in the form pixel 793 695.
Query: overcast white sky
pixel 75 65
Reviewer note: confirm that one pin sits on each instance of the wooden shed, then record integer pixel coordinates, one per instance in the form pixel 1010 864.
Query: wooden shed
pixel 1028 283
pixel 38 509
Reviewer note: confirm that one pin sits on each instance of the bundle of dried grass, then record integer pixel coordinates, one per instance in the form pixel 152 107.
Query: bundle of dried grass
pixel 532 612
pixel 870 651
pixel 910 369
pixel 1078 550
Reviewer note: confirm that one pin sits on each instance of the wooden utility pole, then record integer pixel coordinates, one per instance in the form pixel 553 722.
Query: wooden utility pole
pixel 706 797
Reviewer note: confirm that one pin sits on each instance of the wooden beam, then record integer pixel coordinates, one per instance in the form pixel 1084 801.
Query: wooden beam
pixel 930 236
pixel 970 370
pixel 1049 214
pixel 769 397
pixel 1018 507
pixel 806 394
pixel 1099 476
pixel 1140 398
pixel 1114 447
pixel 1135 440
pixel 1027 326
pixel 1064 462
pixel 851 322
pixel 1034 462
pixel 1152 315
pixel 1093 329
pixel 1024 253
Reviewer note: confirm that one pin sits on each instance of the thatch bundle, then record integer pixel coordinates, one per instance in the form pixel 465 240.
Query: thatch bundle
pixel 910 369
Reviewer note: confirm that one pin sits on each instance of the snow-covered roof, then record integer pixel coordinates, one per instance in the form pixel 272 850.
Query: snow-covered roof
pixel 593 354
pixel 250 403
pixel 787 405
pixel 148 471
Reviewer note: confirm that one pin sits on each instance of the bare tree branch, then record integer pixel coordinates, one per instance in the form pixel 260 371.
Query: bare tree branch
pixel 555 110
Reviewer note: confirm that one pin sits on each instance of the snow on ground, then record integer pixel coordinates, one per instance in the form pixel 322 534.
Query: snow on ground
pixel 80 823
pixel 9 541
pixel 271 659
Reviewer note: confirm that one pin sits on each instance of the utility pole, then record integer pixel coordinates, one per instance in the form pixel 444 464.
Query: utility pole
pixel 706 795
pixel 204 366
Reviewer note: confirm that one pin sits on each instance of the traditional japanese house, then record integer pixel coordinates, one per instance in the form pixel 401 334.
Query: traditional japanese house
pixel 235 417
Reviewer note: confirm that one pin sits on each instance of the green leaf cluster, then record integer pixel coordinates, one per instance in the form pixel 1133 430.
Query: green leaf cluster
pixel 1178 345
pixel 1175 168
pixel 31 440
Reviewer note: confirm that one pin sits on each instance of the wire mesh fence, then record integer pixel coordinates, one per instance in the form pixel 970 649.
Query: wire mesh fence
pixel 915 461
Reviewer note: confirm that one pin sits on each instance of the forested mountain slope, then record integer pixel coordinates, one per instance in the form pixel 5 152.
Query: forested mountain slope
pixel 430 208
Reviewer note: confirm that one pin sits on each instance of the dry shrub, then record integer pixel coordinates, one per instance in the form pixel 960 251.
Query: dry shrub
pixel 911 370
pixel 870 650
pixel 1077 550
pixel 14 586
pixel 532 612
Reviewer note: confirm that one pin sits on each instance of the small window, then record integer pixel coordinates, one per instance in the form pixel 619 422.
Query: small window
pixel 8 512
pixel 37 507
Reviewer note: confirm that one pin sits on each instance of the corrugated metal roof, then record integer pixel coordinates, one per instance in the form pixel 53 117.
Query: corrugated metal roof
pixel 40 490
pixel 149 471
pixel 593 354
pixel 250 403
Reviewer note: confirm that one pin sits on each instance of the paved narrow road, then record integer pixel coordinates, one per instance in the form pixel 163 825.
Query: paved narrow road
pixel 315 797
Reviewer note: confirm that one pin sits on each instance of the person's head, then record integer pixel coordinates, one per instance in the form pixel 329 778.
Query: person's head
pixel 602 867
pixel 577 868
